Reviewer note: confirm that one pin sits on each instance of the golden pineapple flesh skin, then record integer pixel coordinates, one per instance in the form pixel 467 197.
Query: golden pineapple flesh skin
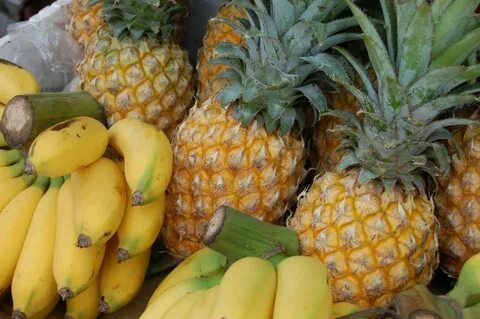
pixel 217 32
pixel 458 205
pixel 84 20
pixel 143 79
pixel 374 243
pixel 220 162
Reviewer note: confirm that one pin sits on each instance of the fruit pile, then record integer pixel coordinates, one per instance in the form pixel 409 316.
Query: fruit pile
pixel 79 225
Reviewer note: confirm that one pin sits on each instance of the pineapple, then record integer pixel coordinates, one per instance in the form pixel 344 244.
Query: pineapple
pixel 217 32
pixel 85 19
pixel 458 204
pixel 372 222
pixel 244 148
pixel 135 69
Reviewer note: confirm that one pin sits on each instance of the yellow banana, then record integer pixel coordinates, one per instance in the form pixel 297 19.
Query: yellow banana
pixel 340 309
pixel 12 171
pixel 67 146
pixel 148 158
pixel 2 139
pixel 44 314
pixel 467 289
pixel 182 308
pixel 85 305
pixel 16 81
pixel 11 187
pixel 204 305
pixel 14 222
pixel 33 286
pixel 8 157
pixel 247 290
pixel 303 290
pixel 204 263
pixel 74 268
pixel 157 308
pixel 120 283
pixel 100 195
pixel 140 228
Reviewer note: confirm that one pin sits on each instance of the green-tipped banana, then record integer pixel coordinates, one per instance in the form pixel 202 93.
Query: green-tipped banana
pixel 204 263
pixel 8 157
pixel 12 171
pixel 467 289
pixel 159 306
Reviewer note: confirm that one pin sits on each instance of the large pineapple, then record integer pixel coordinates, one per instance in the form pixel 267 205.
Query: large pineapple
pixel 133 66
pixel 217 32
pixel 244 149
pixel 85 19
pixel 372 222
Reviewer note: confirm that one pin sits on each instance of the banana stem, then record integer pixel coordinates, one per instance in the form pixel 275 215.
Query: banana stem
pixel 26 116
pixel 237 235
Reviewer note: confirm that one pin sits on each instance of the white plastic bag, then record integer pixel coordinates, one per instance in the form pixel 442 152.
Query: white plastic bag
pixel 44 46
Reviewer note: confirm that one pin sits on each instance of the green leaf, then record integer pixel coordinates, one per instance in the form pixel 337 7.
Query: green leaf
pixel 245 113
pixel 231 50
pixel 337 39
pixel 432 109
pixel 366 176
pixel 329 65
pixel 287 120
pixel 417 46
pixel 231 63
pixel 340 25
pixel 452 24
pixel 405 10
pixel 315 96
pixel 349 160
pixel 284 15
pixel 438 8
pixel 391 27
pixel 230 75
pixel 229 93
pixel 458 52
pixel 376 48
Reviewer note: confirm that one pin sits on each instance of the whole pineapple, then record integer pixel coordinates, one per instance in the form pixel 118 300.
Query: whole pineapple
pixel 372 223
pixel 244 149
pixel 217 32
pixel 133 66
pixel 85 19
pixel 458 204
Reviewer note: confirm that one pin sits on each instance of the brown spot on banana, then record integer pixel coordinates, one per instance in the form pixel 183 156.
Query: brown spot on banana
pixel 61 126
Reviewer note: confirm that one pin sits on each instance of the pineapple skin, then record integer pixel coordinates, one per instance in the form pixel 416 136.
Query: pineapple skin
pixel 142 79
pixel 217 32
pixel 374 242
pixel 217 161
pixel 458 204
pixel 84 20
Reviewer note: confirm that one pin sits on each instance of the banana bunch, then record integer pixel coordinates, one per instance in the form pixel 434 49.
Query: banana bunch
pixel 15 81
pixel 203 288
pixel 77 225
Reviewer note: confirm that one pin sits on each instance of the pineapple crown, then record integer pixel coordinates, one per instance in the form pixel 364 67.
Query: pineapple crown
pixel 421 73
pixel 142 18
pixel 269 78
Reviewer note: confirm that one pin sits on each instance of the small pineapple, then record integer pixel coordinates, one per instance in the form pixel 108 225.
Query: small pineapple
pixel 135 69
pixel 458 204
pixel 244 148
pixel 217 32
pixel 372 222
pixel 85 19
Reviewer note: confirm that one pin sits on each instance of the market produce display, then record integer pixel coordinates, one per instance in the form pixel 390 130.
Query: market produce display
pixel 326 170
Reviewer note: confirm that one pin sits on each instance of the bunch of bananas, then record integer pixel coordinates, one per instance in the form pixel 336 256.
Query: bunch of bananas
pixel 203 288
pixel 77 224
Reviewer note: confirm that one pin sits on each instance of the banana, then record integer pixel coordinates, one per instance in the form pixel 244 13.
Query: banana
pixel 204 263
pixel 140 228
pixel 100 195
pixel 340 309
pixel 183 308
pixel 74 268
pixel 120 283
pixel 3 143
pixel 12 171
pixel 467 289
pixel 472 312
pixel 8 157
pixel 204 305
pixel 11 187
pixel 303 290
pixel 45 313
pixel 247 290
pixel 67 146
pixel 14 222
pixel 33 286
pixel 148 158
pixel 16 81
pixel 157 308
pixel 85 305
